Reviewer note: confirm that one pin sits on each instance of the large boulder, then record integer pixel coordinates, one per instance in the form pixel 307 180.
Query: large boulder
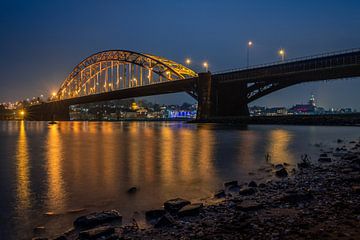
pixel 174 205
pixel 95 219
pixel 190 210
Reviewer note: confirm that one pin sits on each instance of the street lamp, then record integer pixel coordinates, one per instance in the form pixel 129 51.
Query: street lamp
pixel 206 66
pixel 249 45
pixel 282 54
pixel 188 61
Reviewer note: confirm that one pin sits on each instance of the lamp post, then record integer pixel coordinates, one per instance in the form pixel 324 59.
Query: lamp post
pixel 282 54
pixel 249 45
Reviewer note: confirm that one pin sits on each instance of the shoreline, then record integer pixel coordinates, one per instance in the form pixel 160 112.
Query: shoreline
pixel 315 200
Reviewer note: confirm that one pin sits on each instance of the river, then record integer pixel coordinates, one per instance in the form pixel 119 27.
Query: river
pixel 50 172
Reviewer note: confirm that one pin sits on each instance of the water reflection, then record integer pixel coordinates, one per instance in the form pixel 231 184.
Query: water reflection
pixel 75 165
pixel 56 194
pixel 23 181
pixel 278 146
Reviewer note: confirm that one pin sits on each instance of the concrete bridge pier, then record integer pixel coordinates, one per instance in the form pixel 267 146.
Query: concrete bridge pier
pixel 220 99
pixel 230 99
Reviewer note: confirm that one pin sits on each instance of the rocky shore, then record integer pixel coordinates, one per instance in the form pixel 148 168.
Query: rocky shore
pixel 314 200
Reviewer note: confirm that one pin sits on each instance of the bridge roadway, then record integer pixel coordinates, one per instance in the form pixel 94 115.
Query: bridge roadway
pixel 227 93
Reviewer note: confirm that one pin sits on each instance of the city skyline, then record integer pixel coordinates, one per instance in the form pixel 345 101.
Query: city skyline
pixel 56 43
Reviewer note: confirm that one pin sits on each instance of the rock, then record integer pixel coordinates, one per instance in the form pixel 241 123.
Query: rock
pixel 231 183
pixel 324 155
pixel 95 219
pixel 286 164
pixel 154 214
pixel 282 173
pixel 76 210
pixel 220 194
pixel 165 221
pixel 132 190
pixel 252 184
pixel 339 140
pixel 324 159
pixel 297 197
pixel 233 188
pixel 174 205
pixel 304 164
pixel 247 191
pixel 96 233
pixel 278 166
pixel 356 189
pixel 39 238
pixel 249 205
pixel 40 229
pixel 190 210
pixel 262 185
pixel 62 237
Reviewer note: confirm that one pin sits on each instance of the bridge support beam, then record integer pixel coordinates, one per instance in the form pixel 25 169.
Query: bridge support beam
pixel 49 112
pixel 220 99
pixel 230 99
pixel 204 93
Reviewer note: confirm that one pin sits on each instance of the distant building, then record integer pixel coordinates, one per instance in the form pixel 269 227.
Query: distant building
pixel 309 108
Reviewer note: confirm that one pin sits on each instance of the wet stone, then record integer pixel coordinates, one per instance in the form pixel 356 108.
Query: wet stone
pixel 231 183
pixel 249 205
pixel 95 219
pixel 252 184
pixel 356 189
pixel 174 205
pixel 324 159
pixel 132 190
pixel 165 221
pixel 247 191
pixel 154 214
pixel 279 166
pixel 220 194
pixel 297 197
pixel 96 233
pixel 282 173
pixel 190 210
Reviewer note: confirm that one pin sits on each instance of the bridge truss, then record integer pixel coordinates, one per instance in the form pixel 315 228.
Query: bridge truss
pixel 119 69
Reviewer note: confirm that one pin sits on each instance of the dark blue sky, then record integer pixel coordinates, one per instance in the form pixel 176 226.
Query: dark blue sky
pixel 41 41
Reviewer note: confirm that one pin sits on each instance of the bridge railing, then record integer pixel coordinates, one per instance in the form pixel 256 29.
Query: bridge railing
pixel 292 60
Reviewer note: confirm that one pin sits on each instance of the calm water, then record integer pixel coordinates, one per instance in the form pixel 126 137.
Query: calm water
pixel 75 165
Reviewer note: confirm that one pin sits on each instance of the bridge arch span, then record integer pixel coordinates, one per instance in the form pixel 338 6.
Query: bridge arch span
pixel 112 70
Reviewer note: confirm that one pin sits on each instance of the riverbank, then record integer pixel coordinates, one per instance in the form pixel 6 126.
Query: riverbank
pixel 319 200
pixel 316 120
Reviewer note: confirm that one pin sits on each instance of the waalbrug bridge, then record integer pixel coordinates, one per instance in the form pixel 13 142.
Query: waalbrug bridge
pixel 121 74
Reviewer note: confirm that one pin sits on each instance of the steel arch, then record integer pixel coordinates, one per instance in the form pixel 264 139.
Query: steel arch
pixel 92 66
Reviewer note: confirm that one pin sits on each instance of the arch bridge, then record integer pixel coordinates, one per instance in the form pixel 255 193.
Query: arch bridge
pixel 120 74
